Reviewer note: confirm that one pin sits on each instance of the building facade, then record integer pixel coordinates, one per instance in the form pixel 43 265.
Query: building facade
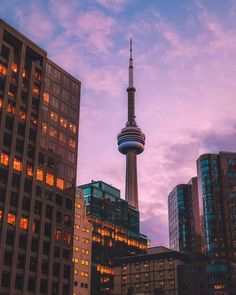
pixel 82 247
pixel 184 222
pixel 217 186
pixel 154 273
pixel 39 113
pixel 115 232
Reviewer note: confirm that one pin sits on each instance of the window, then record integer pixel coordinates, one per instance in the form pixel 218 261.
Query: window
pixel 11 219
pixel 7 260
pixel 63 122
pixel 36 226
pixel 26 204
pixel 63 107
pixel 56 88
pixel 60 183
pixel 49 211
pixel 45 267
pixel 46 248
pixel 22 114
pixel 57 234
pixel 67 271
pixel 56 251
pixel 67 237
pixel 31 284
pixel 4 159
pixel 65 94
pixel 72 127
pixel 53 116
pixel 34 245
pixel 55 102
pixel 22 241
pixel 36 90
pixel 56 269
pixel 52 131
pixel 33 264
pixel 17 165
pixel 72 143
pixel 67 220
pixel 46 97
pixel 49 179
pixel 58 217
pixel 24 223
pixel 68 203
pixel 44 127
pixel 48 68
pixel 37 207
pixel 5 279
pixel 43 286
pixel 66 254
pixel 21 261
pixel 3 70
pixel 62 137
pixel 10 238
pixel 29 170
pixel 14 68
pixel 39 174
pixel 56 74
pixel 14 199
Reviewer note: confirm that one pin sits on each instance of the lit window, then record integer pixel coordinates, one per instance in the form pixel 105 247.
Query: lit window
pixel 53 116
pixel 29 170
pixel 33 120
pixel 63 122
pixel 49 179
pixel 39 174
pixel 17 165
pixel 36 90
pixel 1 214
pixel 11 108
pixel 77 205
pixel 24 73
pixel 76 238
pixel 60 183
pixel 72 143
pixel 3 70
pixel 10 93
pixel 4 159
pixel 72 127
pixel 37 76
pixel 14 67
pixel 24 223
pixel 11 219
pixel 53 132
pixel 67 237
pixel 46 97
pixel 76 271
pixel 44 127
pixel 1 102
pixel 75 260
pixel 76 249
pixel 22 114
pixel 57 234
pixel 62 137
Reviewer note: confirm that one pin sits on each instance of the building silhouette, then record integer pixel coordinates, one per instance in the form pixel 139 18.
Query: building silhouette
pixel 39 113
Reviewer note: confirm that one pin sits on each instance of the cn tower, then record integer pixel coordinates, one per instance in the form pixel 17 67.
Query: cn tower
pixel 131 141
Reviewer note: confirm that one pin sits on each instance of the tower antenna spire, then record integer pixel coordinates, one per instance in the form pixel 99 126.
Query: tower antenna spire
pixel 131 68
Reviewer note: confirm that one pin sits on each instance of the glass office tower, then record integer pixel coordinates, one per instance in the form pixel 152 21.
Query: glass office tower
pixel 39 113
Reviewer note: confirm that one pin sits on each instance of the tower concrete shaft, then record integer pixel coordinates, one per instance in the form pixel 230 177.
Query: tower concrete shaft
pixel 131 141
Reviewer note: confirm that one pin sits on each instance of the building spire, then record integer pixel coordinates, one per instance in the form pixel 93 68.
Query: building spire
pixel 131 68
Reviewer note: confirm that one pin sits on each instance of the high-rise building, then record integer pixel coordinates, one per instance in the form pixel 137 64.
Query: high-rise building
pixel 39 113
pixel 217 186
pixel 131 141
pixel 82 247
pixel 155 272
pixel 184 223
pixel 115 232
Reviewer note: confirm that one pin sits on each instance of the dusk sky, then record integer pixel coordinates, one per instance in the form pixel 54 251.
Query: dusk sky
pixel 185 70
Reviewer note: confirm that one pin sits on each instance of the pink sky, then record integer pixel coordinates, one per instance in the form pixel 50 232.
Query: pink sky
pixel 185 66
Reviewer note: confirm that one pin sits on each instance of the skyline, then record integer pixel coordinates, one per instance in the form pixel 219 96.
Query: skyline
pixel 183 57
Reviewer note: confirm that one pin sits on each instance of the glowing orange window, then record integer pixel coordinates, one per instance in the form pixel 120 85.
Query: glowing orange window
pixel 11 219
pixel 10 108
pixel 67 237
pixel 4 159
pixel 63 122
pixel 60 183
pixel 39 175
pixel 53 116
pixel 1 102
pixel 10 93
pixel 36 90
pixel 49 179
pixel 24 73
pixel 33 120
pixel 14 67
pixel 3 70
pixel 22 115
pixel 44 127
pixel 17 165
pixel 24 223
pixel 1 214
pixel 57 234
pixel 29 170
pixel 46 97
pixel 72 127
